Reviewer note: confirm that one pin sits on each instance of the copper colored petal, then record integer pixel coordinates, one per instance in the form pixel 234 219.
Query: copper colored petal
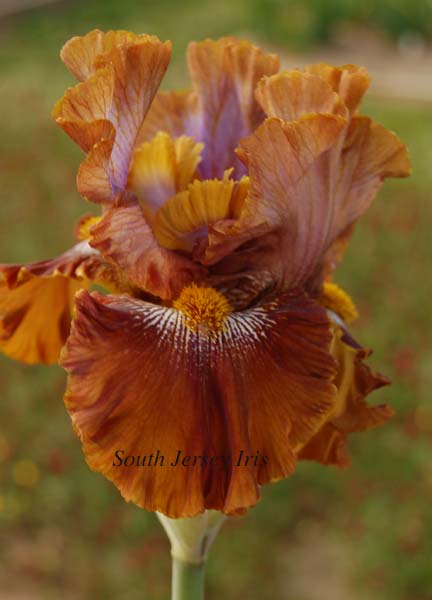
pixel 354 381
pixel 349 81
pixel 291 95
pixel 120 75
pixel 124 237
pixel 36 304
pixel 141 381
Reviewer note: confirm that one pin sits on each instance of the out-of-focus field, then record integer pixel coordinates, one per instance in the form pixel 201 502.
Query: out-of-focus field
pixel 365 532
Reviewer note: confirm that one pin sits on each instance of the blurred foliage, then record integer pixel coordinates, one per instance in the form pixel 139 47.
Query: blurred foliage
pixel 365 532
pixel 303 24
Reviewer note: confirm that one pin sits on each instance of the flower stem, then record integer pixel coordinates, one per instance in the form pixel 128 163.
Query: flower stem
pixel 191 538
pixel 187 580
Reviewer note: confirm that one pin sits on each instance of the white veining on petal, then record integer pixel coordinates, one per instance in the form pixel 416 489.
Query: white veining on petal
pixel 241 331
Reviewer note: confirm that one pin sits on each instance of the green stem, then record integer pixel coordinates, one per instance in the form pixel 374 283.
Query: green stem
pixel 187 580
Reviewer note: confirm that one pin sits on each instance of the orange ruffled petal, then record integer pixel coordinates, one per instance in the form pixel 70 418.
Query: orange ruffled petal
pixel 349 81
pixel 293 94
pixel 142 381
pixel 312 174
pixel 310 180
pixel 80 54
pixel 369 155
pixel 354 381
pixel 288 194
pixel 35 318
pixel 36 304
pixel 120 74
pixel 36 300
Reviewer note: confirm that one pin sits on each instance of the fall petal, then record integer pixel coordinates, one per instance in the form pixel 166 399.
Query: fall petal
pixel 142 381
pixel 354 381
pixel 35 319
pixel 328 447
pixel 36 304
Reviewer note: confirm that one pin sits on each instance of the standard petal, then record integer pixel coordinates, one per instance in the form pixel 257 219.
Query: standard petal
pixel 310 180
pixel 124 237
pixel 290 195
pixel 335 190
pixel 142 382
pixel 370 154
pixel 121 73
pixel 173 112
pixel 36 304
pixel 224 75
pixel 79 53
pixel 335 253
pixel 94 179
pixel 292 94
pixel 354 382
pixel 349 81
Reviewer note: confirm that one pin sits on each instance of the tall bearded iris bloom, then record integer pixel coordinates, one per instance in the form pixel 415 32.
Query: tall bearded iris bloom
pixel 224 211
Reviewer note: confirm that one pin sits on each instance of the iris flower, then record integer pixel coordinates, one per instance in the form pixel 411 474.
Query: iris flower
pixel 224 210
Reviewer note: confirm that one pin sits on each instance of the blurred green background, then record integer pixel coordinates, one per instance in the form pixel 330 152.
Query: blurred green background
pixel 364 532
